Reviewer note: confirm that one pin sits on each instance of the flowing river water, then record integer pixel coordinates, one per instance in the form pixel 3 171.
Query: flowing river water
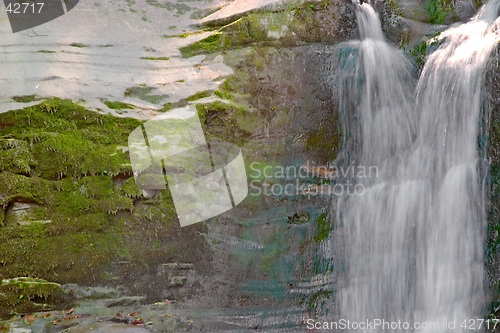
pixel 413 244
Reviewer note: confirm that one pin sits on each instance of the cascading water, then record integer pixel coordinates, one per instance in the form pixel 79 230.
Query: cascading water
pixel 413 243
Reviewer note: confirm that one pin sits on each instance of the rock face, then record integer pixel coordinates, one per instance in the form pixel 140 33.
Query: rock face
pixel 136 31
pixel 23 214
pixel 491 124
pixel 407 23
pixel 107 328
pixel 72 213
pixel 178 280
pixel 310 22
pixel 70 209
pixel 62 163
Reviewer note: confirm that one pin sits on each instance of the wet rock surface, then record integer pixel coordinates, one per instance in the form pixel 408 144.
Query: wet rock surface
pixel 492 111
pixel 106 51
pixel 259 80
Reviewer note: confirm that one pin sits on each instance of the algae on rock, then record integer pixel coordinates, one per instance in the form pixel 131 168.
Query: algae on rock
pixel 297 24
pixel 25 294
pixel 67 165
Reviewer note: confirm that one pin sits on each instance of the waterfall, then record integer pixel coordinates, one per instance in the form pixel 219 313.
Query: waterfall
pixel 412 245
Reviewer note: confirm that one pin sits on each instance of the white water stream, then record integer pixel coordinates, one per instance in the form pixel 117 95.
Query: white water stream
pixel 414 242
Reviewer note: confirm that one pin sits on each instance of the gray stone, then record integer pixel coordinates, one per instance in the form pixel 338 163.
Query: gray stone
pixel 125 301
pixel 20 330
pixel 23 214
pixel 177 281
pixel 175 265
pixel 106 328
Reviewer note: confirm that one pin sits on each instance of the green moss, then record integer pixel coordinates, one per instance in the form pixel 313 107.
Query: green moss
pixel 321 141
pixel 298 24
pixel 223 95
pixel 246 31
pixel 319 300
pixel 155 58
pixel 130 189
pixel 88 159
pixel 97 194
pixel 178 8
pixel 199 95
pixel 28 288
pixel 207 45
pixel 323 227
pixel 16 155
pixel 24 295
pixel 227 85
pixel 199 14
pixel 394 8
pixel 167 107
pixel 15 187
pixel 185 35
pixel 420 51
pixel 118 105
pixel 35 123
pixel 46 51
pixel 53 140
pixel 441 12
pixel 80 45
pixel 26 98
pixel 220 123
pixel 58 254
pixel 145 93
pixel 93 213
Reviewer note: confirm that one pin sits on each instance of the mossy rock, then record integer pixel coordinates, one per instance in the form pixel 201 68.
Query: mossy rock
pixel 246 31
pixel 220 122
pixel 26 98
pixel 297 24
pixel 441 12
pixel 15 187
pixel 25 294
pixel 118 105
pixel 29 288
pixel 145 93
pixel 419 53
pixel 200 95
pixel 130 189
pixel 205 46
pixel 16 155
pixel 282 103
pixel 58 138
pixel 68 163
